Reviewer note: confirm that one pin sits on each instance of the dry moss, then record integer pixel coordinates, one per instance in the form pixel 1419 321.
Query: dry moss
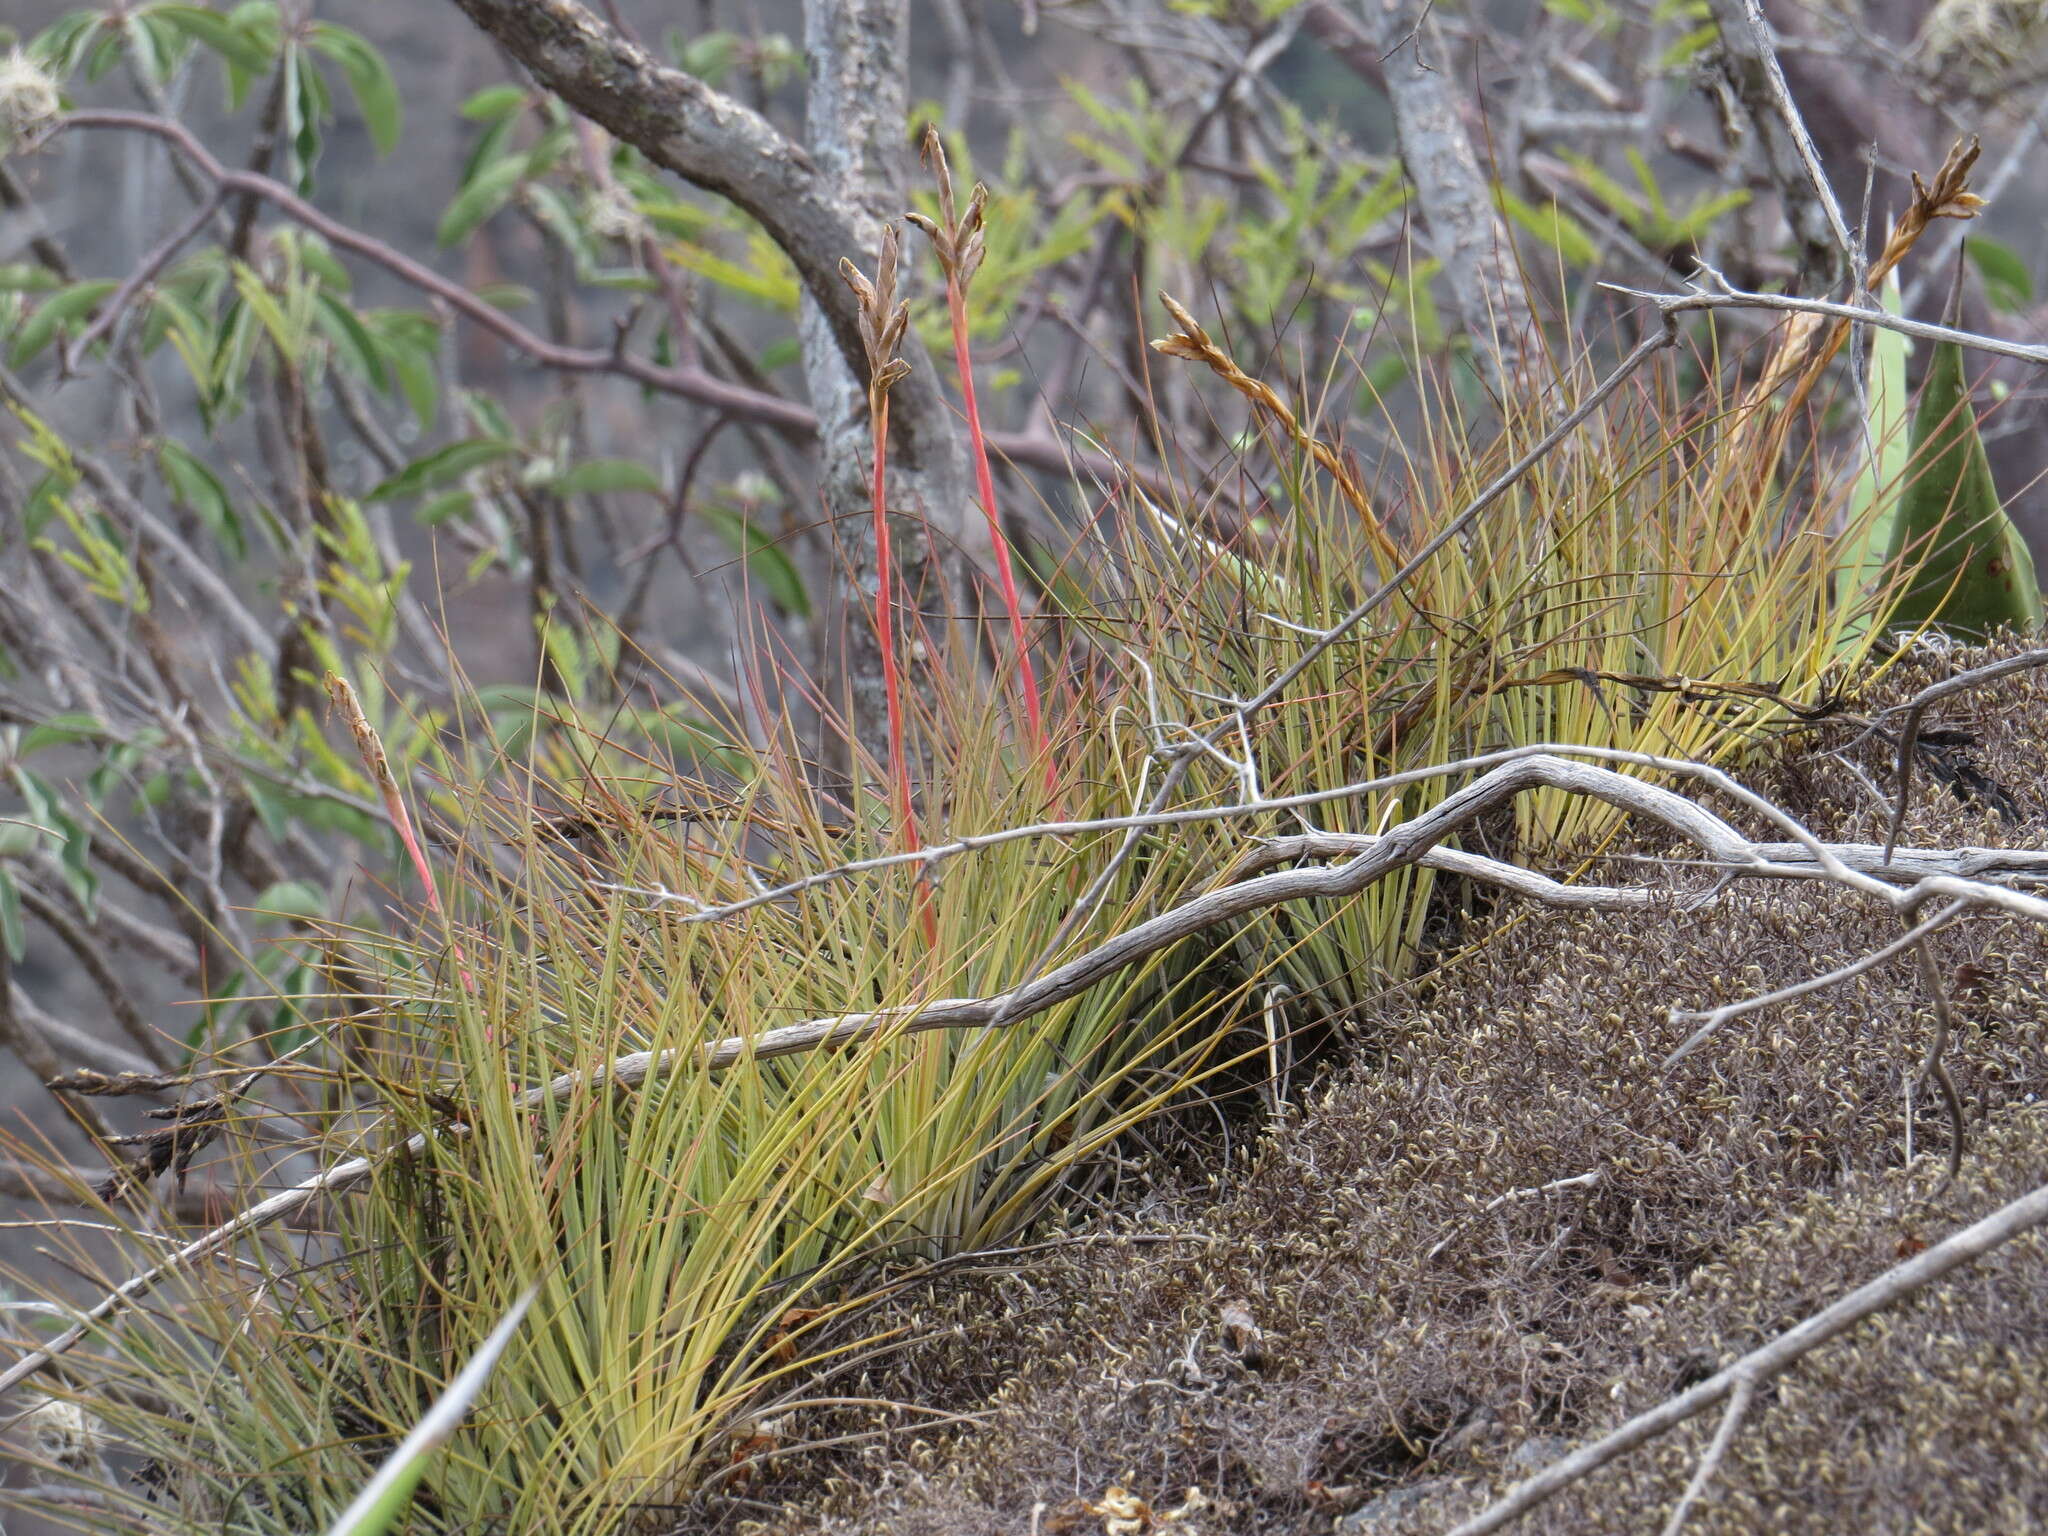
pixel 1418 1330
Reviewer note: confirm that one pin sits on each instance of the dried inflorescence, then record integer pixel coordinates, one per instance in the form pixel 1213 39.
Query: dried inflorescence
pixel 884 319
pixel 1420 1334
pixel 1192 343
pixel 958 239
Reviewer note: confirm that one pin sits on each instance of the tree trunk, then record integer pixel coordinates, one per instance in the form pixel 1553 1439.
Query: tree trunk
pixel 1455 194
pixel 818 206
pixel 857 115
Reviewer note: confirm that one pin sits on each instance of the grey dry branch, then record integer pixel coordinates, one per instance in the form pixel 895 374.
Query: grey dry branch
pixel 1759 1365
pixel 1782 858
pixel 1396 848
pixel 1719 293
pixel 1914 711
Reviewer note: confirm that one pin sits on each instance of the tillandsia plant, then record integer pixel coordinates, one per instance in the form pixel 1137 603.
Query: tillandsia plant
pixel 1629 594
pixel 701 1239
pixel 960 242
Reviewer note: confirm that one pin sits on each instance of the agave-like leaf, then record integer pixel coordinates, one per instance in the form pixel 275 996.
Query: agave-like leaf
pixel 1874 503
pixel 1970 571
pixel 384 1498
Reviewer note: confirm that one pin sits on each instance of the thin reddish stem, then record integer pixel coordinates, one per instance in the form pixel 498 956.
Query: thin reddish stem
pixel 956 309
pixel 885 633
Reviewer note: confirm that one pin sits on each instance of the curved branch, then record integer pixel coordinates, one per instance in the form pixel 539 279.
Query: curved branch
pixel 1724 295
pixel 1894 1285
pixel 1405 844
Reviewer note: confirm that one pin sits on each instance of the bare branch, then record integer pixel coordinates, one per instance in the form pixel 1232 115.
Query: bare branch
pixel 1894 1285
pixel 1724 295
pixel 1751 65
pixel 1915 710
pixel 1712 1020
pixel 1724 1436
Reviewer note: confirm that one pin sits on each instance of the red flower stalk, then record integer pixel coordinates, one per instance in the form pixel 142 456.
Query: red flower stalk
pixel 883 322
pixel 960 245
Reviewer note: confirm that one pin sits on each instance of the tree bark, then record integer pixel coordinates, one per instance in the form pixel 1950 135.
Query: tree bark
pixel 1455 194
pixel 857 116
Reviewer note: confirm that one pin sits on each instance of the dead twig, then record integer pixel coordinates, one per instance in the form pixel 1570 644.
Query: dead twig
pixel 1724 1436
pixel 1724 295
pixel 1915 711
pixel 1760 1365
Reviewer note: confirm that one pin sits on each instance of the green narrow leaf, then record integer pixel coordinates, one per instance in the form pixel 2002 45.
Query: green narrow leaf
pixel 439 509
pixel 369 77
pixel 60 730
pixel 61 46
pixel 601 475
pixel 292 898
pixel 2007 282
pixel 46 809
pixel 60 309
pixel 491 145
pixel 200 489
pixel 12 931
pixel 488 191
pixel 104 55
pixel 27 277
pixel 301 119
pixel 1874 500
pixel 443 465
pixel 235 45
pixel 494 102
pixel 264 303
pixel 411 348
pixel 768 566
pixel 44 502
pixel 384 1498
pixel 234 346
pixel 319 260
pixel 352 339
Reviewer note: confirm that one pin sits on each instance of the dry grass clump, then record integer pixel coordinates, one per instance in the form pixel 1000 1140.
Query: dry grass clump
pixel 1417 1318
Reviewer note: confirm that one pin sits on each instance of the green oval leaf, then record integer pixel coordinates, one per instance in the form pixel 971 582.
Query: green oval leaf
pixel 488 191
pixel 369 78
